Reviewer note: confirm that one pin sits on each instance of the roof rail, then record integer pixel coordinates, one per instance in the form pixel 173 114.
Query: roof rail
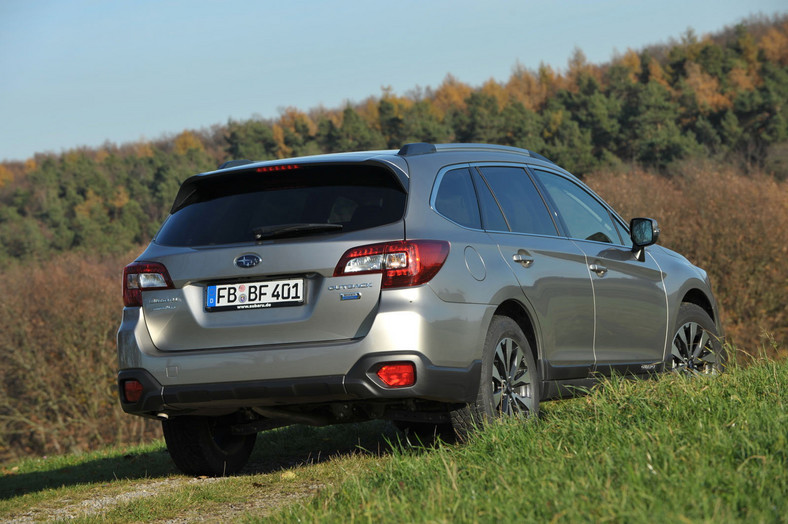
pixel 492 147
pixel 421 148
pixel 418 148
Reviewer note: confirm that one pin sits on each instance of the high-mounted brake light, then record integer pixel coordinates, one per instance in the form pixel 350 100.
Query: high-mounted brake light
pixel 403 264
pixel 397 374
pixel 143 275
pixel 284 167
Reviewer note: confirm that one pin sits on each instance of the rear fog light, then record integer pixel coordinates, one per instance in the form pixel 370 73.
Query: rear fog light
pixel 397 374
pixel 132 390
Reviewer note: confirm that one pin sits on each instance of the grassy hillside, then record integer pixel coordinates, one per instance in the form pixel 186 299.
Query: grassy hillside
pixel 674 450
pixel 669 450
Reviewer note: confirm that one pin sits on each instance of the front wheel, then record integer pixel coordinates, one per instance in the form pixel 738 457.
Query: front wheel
pixel 697 348
pixel 509 383
pixel 206 445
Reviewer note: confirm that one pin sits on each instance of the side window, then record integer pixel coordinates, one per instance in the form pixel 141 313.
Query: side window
pixel 492 219
pixel 456 199
pixel 625 240
pixel 519 199
pixel 584 217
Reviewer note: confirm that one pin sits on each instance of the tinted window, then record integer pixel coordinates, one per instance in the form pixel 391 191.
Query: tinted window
pixel 456 199
pixel 622 233
pixel 225 209
pixel 583 216
pixel 492 219
pixel 521 203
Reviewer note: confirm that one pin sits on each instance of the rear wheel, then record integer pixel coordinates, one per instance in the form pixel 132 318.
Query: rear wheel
pixel 697 348
pixel 206 445
pixel 509 383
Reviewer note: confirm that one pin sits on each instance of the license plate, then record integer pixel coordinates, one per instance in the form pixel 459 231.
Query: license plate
pixel 255 295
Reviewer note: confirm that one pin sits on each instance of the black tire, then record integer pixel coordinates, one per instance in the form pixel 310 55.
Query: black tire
pixel 206 445
pixel 509 384
pixel 697 348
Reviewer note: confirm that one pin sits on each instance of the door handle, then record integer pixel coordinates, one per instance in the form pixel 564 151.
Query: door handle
pixel 523 260
pixel 599 270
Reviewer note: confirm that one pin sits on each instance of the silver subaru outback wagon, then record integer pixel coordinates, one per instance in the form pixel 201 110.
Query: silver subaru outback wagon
pixel 437 284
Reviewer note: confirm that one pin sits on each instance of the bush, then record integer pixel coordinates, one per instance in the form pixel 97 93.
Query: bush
pixel 57 376
pixel 726 222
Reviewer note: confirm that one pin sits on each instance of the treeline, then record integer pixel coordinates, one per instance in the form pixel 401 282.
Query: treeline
pixel 722 95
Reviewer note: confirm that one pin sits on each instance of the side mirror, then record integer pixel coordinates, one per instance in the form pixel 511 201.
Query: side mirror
pixel 644 232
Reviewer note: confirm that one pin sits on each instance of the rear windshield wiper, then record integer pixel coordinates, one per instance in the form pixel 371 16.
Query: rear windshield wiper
pixel 292 230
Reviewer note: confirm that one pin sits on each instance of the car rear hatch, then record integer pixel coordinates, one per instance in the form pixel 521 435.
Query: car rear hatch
pixel 251 255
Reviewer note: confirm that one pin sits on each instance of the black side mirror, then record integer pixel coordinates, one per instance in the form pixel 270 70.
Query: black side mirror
pixel 644 232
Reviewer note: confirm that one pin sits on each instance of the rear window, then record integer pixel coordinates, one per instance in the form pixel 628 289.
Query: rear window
pixel 226 209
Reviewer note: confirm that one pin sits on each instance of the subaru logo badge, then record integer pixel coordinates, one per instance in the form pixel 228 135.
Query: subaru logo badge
pixel 247 261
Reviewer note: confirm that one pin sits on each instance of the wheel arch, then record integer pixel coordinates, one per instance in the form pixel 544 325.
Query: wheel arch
pixel 517 312
pixel 699 298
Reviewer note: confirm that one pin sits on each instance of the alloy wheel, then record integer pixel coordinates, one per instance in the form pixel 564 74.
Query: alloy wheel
pixel 511 379
pixel 693 351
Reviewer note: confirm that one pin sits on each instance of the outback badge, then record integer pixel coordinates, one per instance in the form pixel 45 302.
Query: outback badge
pixel 247 261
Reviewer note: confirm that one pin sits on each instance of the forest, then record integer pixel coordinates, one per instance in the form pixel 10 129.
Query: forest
pixel 721 96
pixel 693 132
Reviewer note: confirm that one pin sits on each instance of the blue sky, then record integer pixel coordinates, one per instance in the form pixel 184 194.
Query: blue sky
pixel 81 72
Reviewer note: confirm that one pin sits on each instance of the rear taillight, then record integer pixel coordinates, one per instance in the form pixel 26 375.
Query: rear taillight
pixel 403 264
pixel 143 275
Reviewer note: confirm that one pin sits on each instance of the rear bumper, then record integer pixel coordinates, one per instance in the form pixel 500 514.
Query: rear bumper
pixel 433 383
pixel 443 340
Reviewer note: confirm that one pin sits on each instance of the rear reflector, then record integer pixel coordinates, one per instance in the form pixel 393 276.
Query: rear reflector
pixel 403 264
pixel 132 390
pixel 398 374
pixel 143 275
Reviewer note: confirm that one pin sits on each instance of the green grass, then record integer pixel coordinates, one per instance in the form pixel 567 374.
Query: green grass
pixel 669 450
pixel 286 462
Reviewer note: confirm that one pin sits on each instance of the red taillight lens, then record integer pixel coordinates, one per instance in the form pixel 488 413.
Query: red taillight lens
pixel 271 169
pixel 398 374
pixel 132 390
pixel 143 275
pixel 403 264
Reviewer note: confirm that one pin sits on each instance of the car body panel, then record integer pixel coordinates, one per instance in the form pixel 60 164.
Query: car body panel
pixel 177 318
pixel 627 292
pixel 564 304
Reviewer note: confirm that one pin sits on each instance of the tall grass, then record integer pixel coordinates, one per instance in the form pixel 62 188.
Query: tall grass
pixel 673 450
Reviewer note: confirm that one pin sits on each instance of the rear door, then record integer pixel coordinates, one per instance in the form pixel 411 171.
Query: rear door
pixel 551 269
pixel 252 256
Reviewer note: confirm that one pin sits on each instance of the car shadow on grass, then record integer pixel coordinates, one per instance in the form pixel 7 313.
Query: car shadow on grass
pixel 275 450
